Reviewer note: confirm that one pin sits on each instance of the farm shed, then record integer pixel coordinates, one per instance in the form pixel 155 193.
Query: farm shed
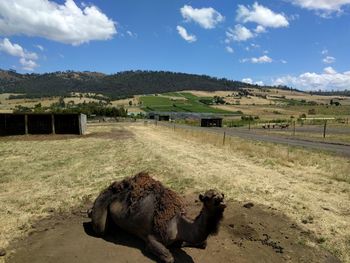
pixel 41 123
pixel 211 122
pixel 159 116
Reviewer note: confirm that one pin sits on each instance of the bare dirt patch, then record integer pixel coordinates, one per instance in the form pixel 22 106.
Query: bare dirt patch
pixel 255 234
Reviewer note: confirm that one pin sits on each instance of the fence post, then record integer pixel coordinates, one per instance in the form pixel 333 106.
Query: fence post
pixel 26 124
pixel 324 129
pixel 53 123
pixel 224 138
pixel 249 123
pixel 293 128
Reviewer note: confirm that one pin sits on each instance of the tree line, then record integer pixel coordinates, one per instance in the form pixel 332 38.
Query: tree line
pixel 114 86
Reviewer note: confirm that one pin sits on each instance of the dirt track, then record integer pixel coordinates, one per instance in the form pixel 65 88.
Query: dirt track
pixel 256 234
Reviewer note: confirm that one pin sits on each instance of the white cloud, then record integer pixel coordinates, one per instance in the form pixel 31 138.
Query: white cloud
pixel 260 60
pixel 260 29
pixel 247 80
pixel 329 60
pixel 27 59
pixel 183 33
pixel 28 64
pixel 65 23
pixel 324 51
pixel 329 70
pixel 250 81
pixel 207 18
pixel 229 49
pixel 322 5
pixel 238 33
pixel 260 83
pixel 283 61
pixel 330 79
pixel 16 50
pixel 40 47
pixel 252 46
pixel 131 34
pixel 261 15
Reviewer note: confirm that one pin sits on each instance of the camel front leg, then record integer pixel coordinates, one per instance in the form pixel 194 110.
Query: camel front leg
pixel 158 249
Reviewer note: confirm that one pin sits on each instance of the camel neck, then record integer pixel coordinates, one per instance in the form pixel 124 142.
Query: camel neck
pixel 195 231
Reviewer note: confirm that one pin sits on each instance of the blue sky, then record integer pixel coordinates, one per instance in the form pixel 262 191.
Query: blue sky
pixel 301 43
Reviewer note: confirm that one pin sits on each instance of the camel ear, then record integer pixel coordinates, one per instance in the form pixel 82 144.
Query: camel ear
pixel 203 198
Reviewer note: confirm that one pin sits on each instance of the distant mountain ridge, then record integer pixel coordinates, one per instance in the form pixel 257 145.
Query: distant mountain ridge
pixel 117 85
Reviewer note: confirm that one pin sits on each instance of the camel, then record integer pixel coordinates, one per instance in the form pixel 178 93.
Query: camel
pixel 144 207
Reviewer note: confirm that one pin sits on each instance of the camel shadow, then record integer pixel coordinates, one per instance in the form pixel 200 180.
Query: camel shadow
pixel 119 237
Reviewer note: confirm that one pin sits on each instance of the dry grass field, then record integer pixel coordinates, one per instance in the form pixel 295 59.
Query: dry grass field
pixel 41 175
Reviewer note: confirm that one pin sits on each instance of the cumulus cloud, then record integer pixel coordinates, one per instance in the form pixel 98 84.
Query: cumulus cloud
pixel 66 23
pixel 207 18
pixel 247 80
pixel 28 64
pixel 250 81
pixel 183 33
pixel 27 59
pixel 238 33
pixel 329 79
pixel 261 15
pixel 329 60
pixel 327 6
pixel 16 50
pixel 260 29
pixel 260 60
pixel 229 49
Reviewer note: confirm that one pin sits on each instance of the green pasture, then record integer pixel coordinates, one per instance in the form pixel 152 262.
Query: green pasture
pixel 191 104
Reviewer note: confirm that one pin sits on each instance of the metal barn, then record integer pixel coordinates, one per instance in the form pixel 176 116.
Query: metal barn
pixel 211 122
pixel 42 123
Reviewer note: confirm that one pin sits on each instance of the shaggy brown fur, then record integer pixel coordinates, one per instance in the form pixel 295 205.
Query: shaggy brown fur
pixel 168 203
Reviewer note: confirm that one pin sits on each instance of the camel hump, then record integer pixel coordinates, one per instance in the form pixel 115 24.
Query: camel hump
pixel 167 202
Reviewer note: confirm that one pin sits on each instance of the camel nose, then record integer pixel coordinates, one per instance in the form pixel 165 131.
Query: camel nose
pixel 222 205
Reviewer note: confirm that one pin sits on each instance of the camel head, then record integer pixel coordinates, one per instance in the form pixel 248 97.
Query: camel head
pixel 213 200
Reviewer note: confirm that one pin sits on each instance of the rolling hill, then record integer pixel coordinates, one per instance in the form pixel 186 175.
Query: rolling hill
pixel 119 85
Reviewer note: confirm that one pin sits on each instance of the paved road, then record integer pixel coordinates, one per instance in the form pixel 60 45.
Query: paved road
pixel 339 149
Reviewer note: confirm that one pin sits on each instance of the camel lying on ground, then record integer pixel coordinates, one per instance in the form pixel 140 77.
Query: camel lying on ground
pixel 144 207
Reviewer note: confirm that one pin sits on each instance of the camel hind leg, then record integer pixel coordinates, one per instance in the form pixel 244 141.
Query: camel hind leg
pixel 99 211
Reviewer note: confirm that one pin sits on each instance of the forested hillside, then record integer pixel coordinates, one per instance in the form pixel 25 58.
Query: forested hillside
pixel 118 85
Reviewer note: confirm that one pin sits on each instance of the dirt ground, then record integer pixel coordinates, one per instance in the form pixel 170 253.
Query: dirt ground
pixel 247 234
